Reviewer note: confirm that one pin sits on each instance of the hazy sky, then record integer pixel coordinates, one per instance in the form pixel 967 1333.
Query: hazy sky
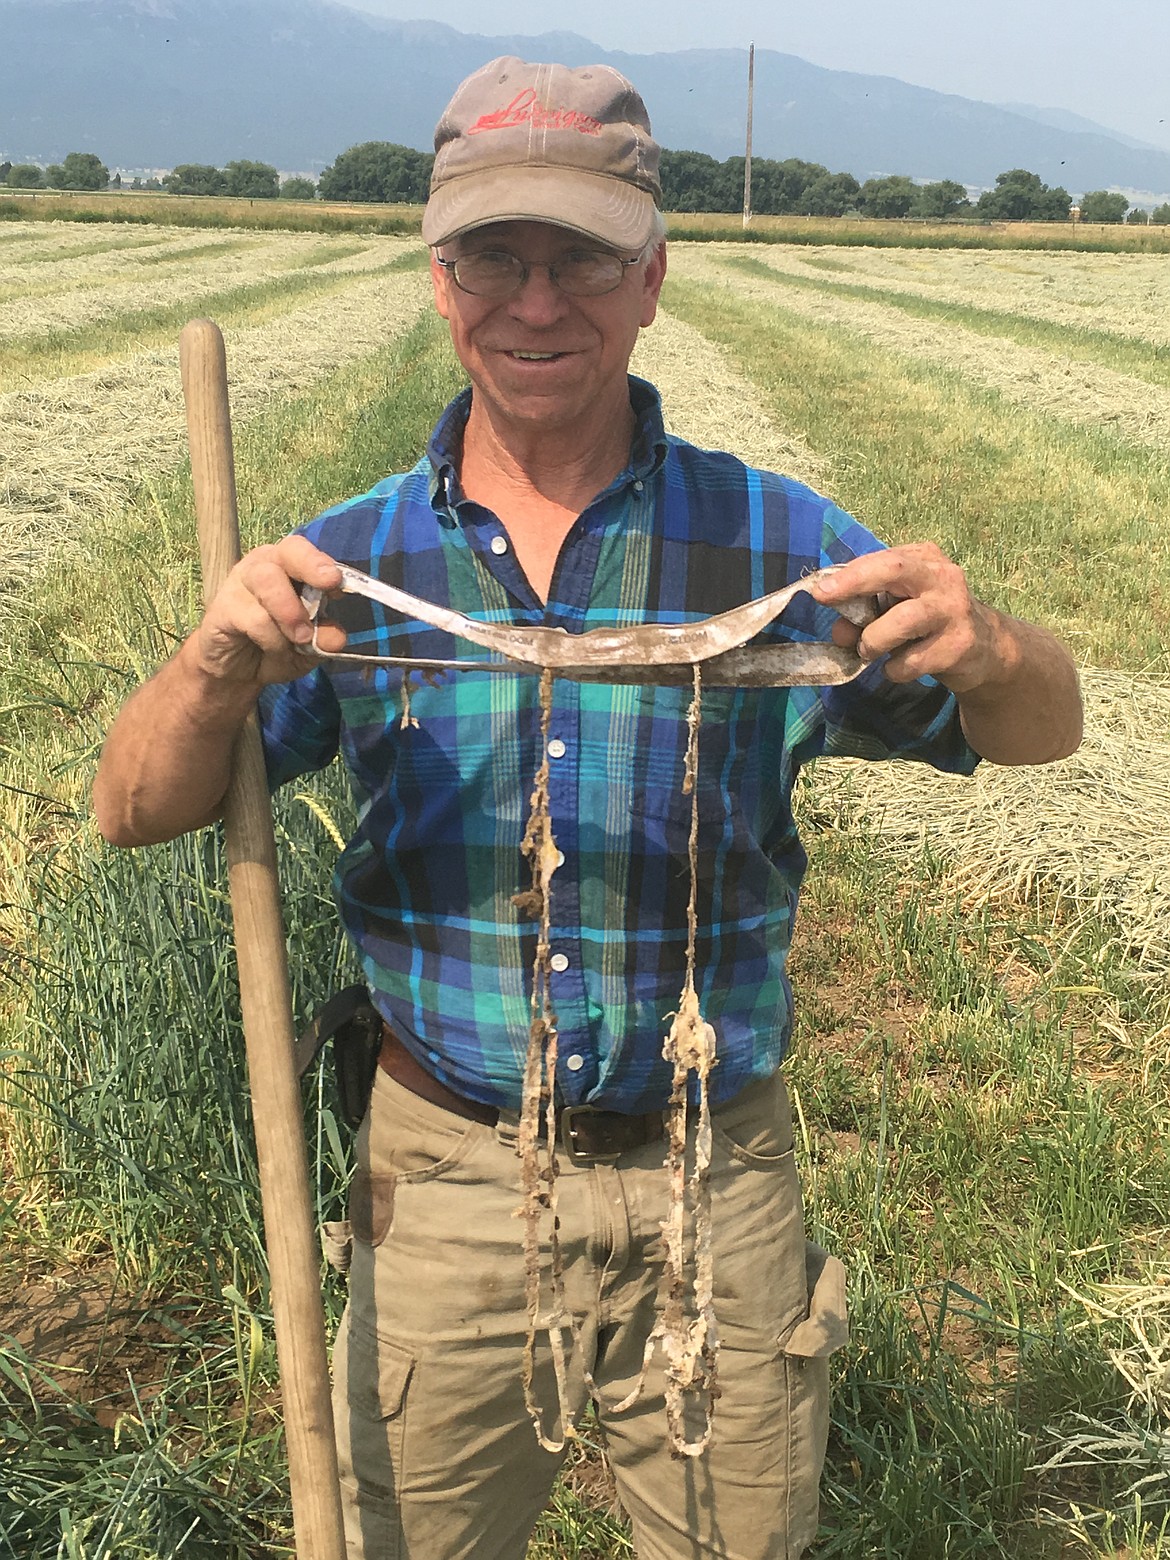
pixel 1106 59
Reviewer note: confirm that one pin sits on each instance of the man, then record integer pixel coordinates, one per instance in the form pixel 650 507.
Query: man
pixel 550 494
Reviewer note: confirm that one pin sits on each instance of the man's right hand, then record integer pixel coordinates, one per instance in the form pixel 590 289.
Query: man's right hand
pixel 167 759
pixel 256 629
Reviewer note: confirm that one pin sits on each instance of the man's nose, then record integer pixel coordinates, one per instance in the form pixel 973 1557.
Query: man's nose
pixel 538 295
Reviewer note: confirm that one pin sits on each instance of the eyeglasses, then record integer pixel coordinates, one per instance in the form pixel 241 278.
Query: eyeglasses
pixel 494 273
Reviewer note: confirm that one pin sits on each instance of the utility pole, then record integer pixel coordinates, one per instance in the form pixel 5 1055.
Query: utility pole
pixel 747 161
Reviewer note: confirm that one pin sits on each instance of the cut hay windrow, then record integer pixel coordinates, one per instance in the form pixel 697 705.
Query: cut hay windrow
pixel 69 259
pixel 1086 827
pixel 1083 393
pixel 1122 294
pixel 1126 294
pixel 64 296
pixel 75 448
pixel 708 402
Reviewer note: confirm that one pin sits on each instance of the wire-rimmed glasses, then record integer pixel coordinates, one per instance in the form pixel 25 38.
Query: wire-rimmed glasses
pixel 496 273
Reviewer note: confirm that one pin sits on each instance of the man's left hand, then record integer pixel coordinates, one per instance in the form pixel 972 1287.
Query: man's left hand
pixel 1017 687
pixel 933 626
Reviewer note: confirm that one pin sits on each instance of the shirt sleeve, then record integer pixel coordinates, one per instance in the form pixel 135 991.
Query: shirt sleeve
pixel 300 724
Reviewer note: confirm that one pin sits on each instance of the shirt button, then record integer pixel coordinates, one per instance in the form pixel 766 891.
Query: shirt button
pixel 559 962
pixel 499 545
pixel 638 486
pixel 574 1063
pixel 560 858
pixel 556 748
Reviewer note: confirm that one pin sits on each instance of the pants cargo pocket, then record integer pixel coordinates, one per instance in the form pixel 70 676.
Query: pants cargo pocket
pixel 371 1378
pixel 805 1352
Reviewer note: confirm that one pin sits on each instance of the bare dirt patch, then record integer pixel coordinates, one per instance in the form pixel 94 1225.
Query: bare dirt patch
pixel 75 1339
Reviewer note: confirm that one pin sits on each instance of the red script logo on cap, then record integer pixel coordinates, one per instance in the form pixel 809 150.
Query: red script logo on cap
pixel 524 109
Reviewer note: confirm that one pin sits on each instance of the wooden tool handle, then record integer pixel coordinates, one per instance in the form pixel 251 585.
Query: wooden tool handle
pixel 289 1227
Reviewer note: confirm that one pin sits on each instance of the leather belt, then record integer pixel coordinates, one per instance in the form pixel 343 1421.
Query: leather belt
pixel 407 1070
pixel 587 1135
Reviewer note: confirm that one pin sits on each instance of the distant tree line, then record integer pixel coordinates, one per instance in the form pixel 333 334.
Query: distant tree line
pixel 83 171
pixel 385 172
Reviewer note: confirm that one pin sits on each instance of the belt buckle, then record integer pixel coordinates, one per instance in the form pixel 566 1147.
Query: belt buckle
pixel 575 1154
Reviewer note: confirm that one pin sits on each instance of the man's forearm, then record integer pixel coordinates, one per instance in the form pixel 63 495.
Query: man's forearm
pixel 1029 712
pixel 166 763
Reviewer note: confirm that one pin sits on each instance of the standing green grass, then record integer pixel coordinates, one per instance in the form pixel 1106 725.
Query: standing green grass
pixel 982 1080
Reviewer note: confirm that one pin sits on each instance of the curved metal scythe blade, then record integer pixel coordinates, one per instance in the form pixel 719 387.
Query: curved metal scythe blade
pixel 645 653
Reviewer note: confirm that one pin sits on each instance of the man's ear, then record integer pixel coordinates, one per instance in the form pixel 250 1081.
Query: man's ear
pixel 652 278
pixel 439 281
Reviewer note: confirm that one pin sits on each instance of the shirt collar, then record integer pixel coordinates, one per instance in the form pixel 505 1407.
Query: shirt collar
pixel 445 446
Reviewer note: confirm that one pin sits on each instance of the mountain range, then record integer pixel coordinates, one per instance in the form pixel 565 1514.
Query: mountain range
pixel 151 83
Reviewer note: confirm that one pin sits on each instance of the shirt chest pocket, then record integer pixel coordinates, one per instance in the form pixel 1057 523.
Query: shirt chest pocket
pixel 726 760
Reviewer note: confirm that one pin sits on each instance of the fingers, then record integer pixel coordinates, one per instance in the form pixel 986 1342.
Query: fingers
pixel 257 626
pixel 271 575
pixel 933 625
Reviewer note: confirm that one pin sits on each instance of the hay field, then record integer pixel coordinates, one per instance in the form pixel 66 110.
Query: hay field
pixel 1127 293
pixel 982 1063
pixel 1084 824
pixel 77 443
pixel 1038 378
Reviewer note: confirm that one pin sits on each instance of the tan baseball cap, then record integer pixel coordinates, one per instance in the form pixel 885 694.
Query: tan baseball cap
pixel 543 143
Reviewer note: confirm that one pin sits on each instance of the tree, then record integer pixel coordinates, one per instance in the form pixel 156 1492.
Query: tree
pixel 194 179
pixel 1020 196
pixel 1138 216
pixel 889 197
pixel 942 199
pixel 79 171
pixel 1161 215
pixel 251 180
pixel 378 170
pixel 693 181
pixel 831 195
pixel 781 187
pixel 5 170
pixel 1103 206
pixel 297 188
pixel 24 176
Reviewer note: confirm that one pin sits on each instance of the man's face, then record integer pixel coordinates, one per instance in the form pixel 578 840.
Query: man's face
pixel 540 357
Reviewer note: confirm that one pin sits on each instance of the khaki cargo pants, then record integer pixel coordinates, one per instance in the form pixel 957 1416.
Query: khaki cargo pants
pixel 438 1456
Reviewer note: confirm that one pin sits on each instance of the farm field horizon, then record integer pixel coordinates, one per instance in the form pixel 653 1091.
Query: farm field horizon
pixel 981 1069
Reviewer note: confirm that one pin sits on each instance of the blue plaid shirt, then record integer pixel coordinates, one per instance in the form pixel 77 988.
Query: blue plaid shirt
pixel 426 885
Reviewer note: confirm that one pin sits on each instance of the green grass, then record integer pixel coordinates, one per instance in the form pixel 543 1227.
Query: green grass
pixel 108 243
pixel 911 234
pixel 978 1150
pixel 1125 354
pixel 191 252
pixel 981 1091
pixel 210 211
pixel 118 1011
pixel 1053 521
